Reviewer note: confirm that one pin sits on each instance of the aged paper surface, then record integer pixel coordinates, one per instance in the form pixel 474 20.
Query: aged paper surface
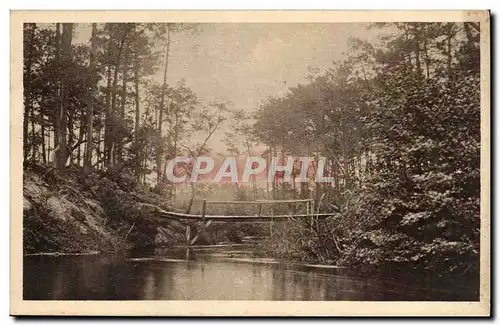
pixel 241 307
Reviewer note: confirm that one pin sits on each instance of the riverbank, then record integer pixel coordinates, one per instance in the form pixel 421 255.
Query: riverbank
pixel 334 242
pixel 77 212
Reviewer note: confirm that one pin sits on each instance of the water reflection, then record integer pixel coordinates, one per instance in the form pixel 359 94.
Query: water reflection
pixel 210 275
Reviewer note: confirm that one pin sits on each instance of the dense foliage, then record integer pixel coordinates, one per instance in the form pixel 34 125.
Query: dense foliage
pixel 98 104
pixel 399 122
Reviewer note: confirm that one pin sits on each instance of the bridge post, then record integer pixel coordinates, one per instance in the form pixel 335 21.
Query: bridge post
pixel 188 234
pixel 308 209
pixel 188 237
pixel 315 219
pixel 271 224
pixel 310 212
pixel 203 209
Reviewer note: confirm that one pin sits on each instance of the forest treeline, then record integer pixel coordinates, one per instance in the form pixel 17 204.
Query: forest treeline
pixel 399 122
pixel 97 104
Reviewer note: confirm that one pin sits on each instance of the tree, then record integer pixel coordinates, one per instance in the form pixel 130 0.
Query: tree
pixel 399 124
pixel 92 94
pixel 159 153
pixel 210 118
pixel 170 29
pixel 64 56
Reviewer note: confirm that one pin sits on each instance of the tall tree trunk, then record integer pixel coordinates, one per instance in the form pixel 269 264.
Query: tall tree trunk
pixel 79 148
pixel 67 37
pixel 137 122
pixel 87 164
pixel 99 152
pixel 108 119
pixel 417 57
pixel 70 138
pixel 57 113
pixel 81 134
pixel 114 119
pixel 137 114
pixel 111 117
pixel 49 145
pixel 159 149
pixel 114 89
pixel 119 142
pixel 33 136
pixel 173 151
pixel 28 105
pixel 44 153
pixel 62 152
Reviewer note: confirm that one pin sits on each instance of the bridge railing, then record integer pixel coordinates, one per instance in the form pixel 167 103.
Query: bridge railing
pixel 308 202
pixel 259 217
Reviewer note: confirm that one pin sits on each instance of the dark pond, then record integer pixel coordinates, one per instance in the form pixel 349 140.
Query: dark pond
pixel 230 273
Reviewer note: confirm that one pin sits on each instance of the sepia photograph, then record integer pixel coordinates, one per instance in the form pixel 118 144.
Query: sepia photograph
pixel 250 163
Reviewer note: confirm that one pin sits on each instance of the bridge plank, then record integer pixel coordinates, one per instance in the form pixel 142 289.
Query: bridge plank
pixel 163 215
pixel 238 218
pixel 254 202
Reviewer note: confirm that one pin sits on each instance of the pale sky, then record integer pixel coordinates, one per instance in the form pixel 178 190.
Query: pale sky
pixel 245 63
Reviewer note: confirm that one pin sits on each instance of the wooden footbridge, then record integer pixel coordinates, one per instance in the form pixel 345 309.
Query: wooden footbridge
pixel 311 213
pixel 259 217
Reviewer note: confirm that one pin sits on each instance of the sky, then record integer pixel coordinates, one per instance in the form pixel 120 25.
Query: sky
pixel 245 63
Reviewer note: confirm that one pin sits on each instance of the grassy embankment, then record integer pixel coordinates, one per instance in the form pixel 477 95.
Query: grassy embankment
pixel 75 212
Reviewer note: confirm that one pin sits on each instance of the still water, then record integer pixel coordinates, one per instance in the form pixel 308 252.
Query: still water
pixel 234 273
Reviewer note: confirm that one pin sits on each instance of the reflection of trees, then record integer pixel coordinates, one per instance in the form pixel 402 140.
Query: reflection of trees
pixel 148 285
pixel 105 278
pixel 166 277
